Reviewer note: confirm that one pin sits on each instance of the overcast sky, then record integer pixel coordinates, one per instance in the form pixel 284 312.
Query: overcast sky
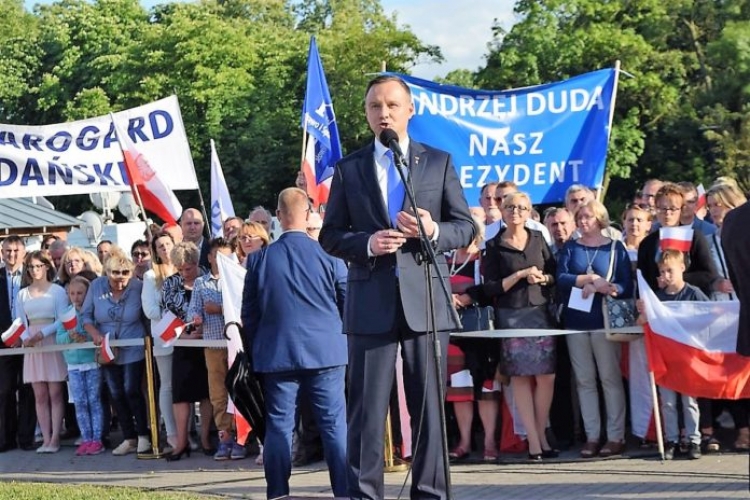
pixel 460 28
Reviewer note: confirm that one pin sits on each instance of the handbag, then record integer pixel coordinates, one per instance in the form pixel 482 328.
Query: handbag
pixel 476 318
pixel 619 314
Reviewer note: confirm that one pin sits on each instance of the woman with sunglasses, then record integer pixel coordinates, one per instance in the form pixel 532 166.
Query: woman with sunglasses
pixel 40 304
pixel 113 305
pixel 519 270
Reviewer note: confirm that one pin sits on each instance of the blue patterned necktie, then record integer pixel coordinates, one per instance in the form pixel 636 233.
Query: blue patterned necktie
pixel 395 189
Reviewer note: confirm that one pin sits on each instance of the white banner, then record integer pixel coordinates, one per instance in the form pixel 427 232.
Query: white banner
pixel 84 156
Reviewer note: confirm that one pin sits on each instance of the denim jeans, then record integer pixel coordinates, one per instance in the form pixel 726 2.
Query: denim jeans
pixel 124 383
pixel 689 413
pixel 85 387
pixel 324 389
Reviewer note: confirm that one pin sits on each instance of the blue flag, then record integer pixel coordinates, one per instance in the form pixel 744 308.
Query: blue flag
pixel 544 138
pixel 318 118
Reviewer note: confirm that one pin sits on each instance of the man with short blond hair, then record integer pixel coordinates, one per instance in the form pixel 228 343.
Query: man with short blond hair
pixel 291 315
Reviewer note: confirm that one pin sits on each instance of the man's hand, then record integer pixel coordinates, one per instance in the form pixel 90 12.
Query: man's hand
pixel 407 223
pixel 301 181
pixel 724 286
pixel 386 241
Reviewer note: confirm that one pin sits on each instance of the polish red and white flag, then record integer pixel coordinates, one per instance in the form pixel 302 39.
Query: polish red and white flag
pixel 692 347
pixel 108 355
pixel 701 196
pixel 147 186
pixel 12 334
pixel 675 238
pixel 168 328
pixel 69 318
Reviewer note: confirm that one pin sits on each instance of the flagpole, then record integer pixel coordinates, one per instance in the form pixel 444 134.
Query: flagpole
pixel 133 185
pixel 599 190
pixel 657 415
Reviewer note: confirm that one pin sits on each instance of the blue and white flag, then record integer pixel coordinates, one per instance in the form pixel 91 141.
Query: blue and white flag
pixel 319 123
pixel 221 203
pixel 543 138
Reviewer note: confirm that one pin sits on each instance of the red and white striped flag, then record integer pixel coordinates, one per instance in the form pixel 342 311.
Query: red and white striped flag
pixel 168 328
pixel 692 347
pixel 675 238
pixel 155 195
pixel 69 318
pixel 701 197
pixel 108 355
pixel 12 334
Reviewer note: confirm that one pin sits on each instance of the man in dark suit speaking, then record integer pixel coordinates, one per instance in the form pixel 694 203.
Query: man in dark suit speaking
pixel 291 316
pixel 370 224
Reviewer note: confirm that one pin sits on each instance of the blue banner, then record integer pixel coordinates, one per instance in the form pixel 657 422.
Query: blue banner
pixel 543 138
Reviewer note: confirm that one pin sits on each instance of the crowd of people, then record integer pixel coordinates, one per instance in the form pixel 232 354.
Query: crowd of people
pixel 173 269
pixel 509 268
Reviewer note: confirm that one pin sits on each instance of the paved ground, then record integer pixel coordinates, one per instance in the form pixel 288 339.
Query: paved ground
pixel 714 477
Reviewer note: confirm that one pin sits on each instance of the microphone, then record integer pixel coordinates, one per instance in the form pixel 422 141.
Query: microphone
pixel 389 138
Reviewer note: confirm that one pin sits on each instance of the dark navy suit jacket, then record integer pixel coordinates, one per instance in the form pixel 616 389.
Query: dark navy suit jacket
pixel 291 306
pixel 356 210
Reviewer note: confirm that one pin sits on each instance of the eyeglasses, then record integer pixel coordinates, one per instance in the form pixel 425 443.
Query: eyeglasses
pixel 669 209
pixel 37 266
pixel 513 208
pixel 249 237
pixel 73 262
pixel 314 228
pixel 141 254
pixel 120 272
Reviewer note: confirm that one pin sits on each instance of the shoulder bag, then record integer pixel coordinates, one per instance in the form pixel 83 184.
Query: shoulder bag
pixel 618 314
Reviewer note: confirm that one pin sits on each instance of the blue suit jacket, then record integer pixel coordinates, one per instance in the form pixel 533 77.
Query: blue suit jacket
pixel 356 210
pixel 291 306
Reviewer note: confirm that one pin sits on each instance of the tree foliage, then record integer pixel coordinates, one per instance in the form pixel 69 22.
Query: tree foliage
pixel 238 68
pixel 682 105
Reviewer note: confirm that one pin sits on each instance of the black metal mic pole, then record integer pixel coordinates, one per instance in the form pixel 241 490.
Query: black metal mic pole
pixel 430 260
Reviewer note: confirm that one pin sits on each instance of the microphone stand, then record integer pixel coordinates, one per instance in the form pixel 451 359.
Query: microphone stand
pixel 430 260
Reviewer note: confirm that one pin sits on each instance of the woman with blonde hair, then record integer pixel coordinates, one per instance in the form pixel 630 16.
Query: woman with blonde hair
pixel 519 270
pixel 75 261
pixel 595 265
pixel 113 306
pixel 721 198
pixel 252 237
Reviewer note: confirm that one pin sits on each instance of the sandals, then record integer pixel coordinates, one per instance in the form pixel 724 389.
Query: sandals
pixel 590 449
pixel 490 456
pixel 458 453
pixel 612 448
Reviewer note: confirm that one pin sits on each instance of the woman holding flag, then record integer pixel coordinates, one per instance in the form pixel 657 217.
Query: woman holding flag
pixel 39 306
pixel 112 311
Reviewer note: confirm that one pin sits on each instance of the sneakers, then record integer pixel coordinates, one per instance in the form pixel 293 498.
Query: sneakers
pixel 224 452
pixel 669 449
pixel 95 448
pixel 694 451
pixel 126 447
pixel 83 449
pixel 238 452
pixel 144 444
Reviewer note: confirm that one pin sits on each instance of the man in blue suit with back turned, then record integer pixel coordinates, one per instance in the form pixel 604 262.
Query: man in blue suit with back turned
pixel 291 316
pixel 370 224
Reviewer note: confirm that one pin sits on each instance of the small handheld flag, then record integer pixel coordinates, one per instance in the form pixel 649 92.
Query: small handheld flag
pixel 12 334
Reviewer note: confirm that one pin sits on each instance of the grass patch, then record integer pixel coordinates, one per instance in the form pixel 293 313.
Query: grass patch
pixel 47 491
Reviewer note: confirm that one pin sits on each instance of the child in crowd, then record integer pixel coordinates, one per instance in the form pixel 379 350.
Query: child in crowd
pixel 206 309
pixel 671 270
pixel 84 376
